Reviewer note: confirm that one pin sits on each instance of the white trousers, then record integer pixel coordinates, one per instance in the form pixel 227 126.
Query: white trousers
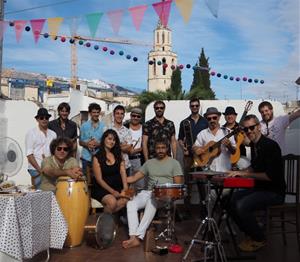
pixel 142 200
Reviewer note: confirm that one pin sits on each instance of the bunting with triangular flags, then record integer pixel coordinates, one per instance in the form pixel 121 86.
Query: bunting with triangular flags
pixel 115 18
pixel 53 25
pixel 163 11
pixel 93 20
pixel 137 14
pixel 213 6
pixel 19 27
pixel 3 25
pixel 73 23
pixel 185 8
pixel 37 27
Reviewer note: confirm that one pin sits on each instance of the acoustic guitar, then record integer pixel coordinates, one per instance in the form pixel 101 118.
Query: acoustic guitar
pixel 234 158
pixel 211 150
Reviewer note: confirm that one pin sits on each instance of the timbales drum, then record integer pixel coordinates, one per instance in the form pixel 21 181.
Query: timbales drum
pixel 169 191
pixel 73 198
pixel 100 231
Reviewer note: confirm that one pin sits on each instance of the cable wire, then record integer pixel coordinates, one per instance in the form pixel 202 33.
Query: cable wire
pixel 38 7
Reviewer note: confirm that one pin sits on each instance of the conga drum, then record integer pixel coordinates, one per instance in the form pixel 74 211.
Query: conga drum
pixel 73 199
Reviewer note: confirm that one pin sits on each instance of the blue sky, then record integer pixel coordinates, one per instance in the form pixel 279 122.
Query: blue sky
pixel 257 39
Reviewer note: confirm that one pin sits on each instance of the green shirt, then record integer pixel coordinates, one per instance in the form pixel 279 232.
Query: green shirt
pixel 161 171
pixel 49 182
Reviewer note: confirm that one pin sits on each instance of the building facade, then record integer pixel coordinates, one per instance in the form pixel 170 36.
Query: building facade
pixel 160 60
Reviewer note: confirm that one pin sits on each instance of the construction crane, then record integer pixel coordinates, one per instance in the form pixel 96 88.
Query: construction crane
pixel 76 38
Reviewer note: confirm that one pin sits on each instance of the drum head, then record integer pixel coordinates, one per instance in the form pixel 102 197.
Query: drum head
pixel 106 230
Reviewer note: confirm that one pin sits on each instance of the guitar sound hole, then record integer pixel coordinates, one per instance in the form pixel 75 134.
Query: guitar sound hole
pixel 210 149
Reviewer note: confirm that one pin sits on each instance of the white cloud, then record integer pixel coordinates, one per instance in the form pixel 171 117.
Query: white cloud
pixel 259 39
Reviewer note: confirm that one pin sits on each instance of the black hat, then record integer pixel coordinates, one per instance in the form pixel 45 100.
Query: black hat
pixel 42 112
pixel 212 111
pixel 229 111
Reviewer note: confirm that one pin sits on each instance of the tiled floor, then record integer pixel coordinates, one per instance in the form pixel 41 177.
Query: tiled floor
pixel 275 251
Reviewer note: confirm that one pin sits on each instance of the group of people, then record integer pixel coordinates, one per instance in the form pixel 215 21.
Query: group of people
pixel 123 154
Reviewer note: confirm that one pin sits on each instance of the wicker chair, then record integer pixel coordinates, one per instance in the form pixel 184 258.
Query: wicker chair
pixel 281 216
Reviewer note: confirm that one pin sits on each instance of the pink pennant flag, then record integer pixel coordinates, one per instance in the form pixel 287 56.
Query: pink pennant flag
pixel 37 27
pixel 3 25
pixel 115 18
pixel 163 11
pixel 19 27
pixel 137 14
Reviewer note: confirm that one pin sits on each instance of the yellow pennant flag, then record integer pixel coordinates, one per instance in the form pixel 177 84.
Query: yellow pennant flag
pixel 53 25
pixel 185 8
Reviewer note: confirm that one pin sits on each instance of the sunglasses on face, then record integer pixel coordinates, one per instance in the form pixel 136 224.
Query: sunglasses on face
pixel 159 108
pixel 251 128
pixel 212 118
pixel 135 116
pixel 194 105
pixel 59 148
pixel 43 118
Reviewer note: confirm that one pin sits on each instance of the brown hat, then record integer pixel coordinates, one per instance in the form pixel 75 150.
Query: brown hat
pixel 211 111
pixel 42 112
pixel 136 110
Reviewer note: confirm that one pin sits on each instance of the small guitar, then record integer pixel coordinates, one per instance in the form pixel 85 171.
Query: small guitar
pixel 211 150
pixel 234 158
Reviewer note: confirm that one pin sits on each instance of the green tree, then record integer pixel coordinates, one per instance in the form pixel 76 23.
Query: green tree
pixel 201 79
pixel 175 90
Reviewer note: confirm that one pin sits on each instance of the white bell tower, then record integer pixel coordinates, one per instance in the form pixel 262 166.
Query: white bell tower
pixel 160 72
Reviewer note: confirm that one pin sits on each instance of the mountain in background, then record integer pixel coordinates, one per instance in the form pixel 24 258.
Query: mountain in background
pixel 94 83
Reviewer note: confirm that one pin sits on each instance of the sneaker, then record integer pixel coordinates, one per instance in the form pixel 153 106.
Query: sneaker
pixel 249 245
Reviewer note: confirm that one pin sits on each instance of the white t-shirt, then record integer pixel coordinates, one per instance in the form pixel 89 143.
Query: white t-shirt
pixel 222 162
pixel 38 144
pixel 136 137
pixel 277 127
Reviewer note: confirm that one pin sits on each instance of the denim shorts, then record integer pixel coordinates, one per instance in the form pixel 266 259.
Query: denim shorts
pixel 38 180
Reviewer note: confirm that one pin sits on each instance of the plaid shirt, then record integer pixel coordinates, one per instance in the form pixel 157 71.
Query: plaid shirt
pixel 154 129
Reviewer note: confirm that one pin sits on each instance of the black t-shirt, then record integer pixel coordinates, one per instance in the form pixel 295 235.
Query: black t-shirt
pixel 196 127
pixel 266 157
pixel 70 131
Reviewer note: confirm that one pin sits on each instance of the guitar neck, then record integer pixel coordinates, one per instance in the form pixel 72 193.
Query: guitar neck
pixel 217 144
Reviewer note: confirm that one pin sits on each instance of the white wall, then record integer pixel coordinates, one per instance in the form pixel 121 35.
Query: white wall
pixel 20 118
pixel 178 110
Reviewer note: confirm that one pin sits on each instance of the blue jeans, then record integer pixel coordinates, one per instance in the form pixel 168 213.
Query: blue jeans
pixel 242 209
pixel 85 165
pixel 37 178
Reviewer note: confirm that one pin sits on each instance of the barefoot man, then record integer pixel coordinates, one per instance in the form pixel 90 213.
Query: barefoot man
pixel 159 170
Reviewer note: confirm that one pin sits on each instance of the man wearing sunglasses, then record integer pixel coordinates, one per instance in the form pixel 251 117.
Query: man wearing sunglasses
pixel 267 170
pixel 63 126
pixel 158 127
pixel 215 133
pixel 37 144
pixel 274 127
pixel 136 155
pixel 60 163
pixel 190 126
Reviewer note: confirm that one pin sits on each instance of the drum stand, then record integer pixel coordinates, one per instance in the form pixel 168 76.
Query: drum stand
pixel 169 233
pixel 213 249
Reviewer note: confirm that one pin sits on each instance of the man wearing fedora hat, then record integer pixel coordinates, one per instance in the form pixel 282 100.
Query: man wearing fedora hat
pixel 230 117
pixel 37 143
pixel 136 157
pixel 215 133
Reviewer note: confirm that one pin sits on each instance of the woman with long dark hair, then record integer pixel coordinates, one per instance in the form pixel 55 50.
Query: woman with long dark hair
pixel 109 181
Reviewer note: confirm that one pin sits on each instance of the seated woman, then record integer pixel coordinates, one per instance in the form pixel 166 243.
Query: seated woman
pixel 60 163
pixel 109 181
